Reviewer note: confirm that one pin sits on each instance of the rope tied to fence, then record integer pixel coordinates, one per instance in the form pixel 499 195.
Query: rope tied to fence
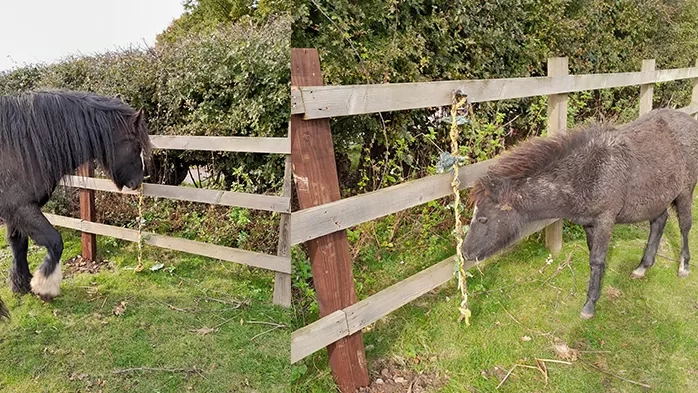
pixel 459 111
pixel 141 223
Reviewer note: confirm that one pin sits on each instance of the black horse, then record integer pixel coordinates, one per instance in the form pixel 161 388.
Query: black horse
pixel 597 177
pixel 44 136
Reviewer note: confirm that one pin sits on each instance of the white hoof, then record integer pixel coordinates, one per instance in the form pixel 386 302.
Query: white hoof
pixel 683 272
pixel 47 287
pixel 638 273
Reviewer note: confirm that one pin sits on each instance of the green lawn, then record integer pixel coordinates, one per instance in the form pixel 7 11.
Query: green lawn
pixel 645 331
pixel 200 325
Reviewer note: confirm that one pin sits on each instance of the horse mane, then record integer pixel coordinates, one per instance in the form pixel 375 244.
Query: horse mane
pixel 52 132
pixel 531 158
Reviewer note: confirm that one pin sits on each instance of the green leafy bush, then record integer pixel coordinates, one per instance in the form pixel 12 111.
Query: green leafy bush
pixel 230 80
pixel 377 41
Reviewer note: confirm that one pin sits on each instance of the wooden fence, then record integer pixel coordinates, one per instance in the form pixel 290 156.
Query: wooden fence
pixel 323 216
pixel 279 263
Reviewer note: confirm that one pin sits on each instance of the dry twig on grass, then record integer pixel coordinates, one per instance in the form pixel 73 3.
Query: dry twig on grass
pixel 614 375
pixel 273 325
pixel 191 370
pixel 532 331
pixel 560 268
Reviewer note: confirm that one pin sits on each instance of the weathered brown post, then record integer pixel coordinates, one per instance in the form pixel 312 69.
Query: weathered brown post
pixel 282 281
pixel 315 176
pixel 557 122
pixel 87 213
pixel 646 91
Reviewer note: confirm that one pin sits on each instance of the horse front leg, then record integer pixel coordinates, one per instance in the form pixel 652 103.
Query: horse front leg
pixel 47 279
pixel 20 277
pixel 598 238
pixel 657 225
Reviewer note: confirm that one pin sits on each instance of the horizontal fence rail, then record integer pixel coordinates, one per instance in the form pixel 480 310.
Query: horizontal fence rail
pixel 280 263
pixel 222 143
pixel 345 213
pixel 341 323
pixel 215 197
pixel 316 102
pixel 250 258
pixel 321 220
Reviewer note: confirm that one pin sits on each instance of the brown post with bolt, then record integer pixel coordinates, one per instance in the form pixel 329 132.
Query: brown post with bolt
pixel 315 175
pixel 87 213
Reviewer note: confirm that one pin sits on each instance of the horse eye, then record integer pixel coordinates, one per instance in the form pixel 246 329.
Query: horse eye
pixel 482 220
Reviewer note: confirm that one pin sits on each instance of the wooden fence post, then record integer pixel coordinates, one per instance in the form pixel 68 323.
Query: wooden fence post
pixel 87 213
pixel 315 177
pixel 647 91
pixel 694 94
pixel 282 281
pixel 557 122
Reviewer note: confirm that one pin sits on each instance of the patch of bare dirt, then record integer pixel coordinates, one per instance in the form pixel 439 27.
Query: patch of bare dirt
pixel 395 375
pixel 78 264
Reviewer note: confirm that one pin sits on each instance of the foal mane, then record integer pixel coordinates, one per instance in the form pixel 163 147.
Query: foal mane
pixel 529 159
pixel 51 132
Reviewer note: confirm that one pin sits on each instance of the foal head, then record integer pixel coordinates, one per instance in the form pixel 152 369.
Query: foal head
pixel 132 150
pixel 497 220
pixel 502 204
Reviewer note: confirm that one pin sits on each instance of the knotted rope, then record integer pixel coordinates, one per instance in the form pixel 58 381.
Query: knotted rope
pixel 141 223
pixel 460 104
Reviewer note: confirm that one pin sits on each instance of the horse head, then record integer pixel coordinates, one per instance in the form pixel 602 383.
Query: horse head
pixel 132 150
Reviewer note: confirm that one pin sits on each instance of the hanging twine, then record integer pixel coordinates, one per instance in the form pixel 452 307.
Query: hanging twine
pixel 141 222
pixel 459 100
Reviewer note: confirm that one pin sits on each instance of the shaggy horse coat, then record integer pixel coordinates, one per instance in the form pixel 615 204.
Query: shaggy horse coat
pixel 44 136
pixel 597 177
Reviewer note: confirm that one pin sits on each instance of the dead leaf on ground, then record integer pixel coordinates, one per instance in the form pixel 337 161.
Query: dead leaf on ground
pixel 495 371
pixel 203 331
pixel 77 376
pixel 613 293
pixel 564 352
pixel 120 309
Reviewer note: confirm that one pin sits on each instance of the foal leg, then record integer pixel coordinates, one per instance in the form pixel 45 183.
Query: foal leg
pixel 19 271
pixel 47 279
pixel 656 230
pixel 598 237
pixel 683 204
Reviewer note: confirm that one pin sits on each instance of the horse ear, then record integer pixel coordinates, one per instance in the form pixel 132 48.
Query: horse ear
pixel 139 117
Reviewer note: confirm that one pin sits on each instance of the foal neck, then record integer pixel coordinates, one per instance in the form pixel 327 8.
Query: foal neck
pixel 544 199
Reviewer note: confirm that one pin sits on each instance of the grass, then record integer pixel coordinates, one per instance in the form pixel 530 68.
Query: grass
pixel 78 343
pixel 644 330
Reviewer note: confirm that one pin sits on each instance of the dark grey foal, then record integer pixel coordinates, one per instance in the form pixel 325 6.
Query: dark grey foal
pixel 597 177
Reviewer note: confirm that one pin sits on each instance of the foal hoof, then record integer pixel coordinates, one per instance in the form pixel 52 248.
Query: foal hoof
pixel 683 273
pixel 638 273
pixel 585 315
pixel 587 311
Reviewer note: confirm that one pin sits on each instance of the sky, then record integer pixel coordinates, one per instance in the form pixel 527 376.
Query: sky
pixel 44 31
